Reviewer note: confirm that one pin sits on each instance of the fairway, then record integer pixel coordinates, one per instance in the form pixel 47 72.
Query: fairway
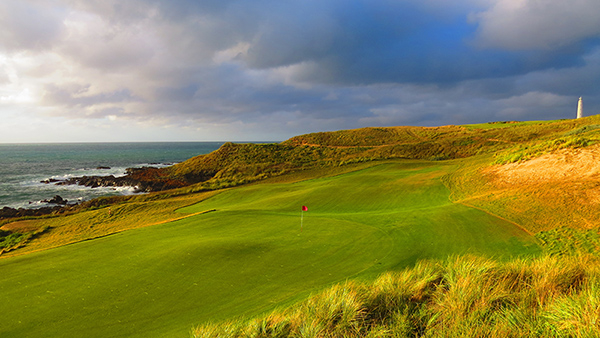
pixel 248 255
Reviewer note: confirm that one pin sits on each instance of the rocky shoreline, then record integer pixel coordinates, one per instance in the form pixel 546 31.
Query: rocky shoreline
pixel 139 178
pixel 143 180
pixel 8 212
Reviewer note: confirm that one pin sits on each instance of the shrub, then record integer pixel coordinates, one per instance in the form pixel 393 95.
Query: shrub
pixel 9 240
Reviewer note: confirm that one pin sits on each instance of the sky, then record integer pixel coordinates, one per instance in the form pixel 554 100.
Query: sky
pixel 267 70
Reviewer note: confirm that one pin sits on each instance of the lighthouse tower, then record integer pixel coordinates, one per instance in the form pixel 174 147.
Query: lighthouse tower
pixel 580 108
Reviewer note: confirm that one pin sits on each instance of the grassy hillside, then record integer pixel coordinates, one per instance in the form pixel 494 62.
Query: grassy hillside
pixel 235 164
pixel 548 185
pixel 247 256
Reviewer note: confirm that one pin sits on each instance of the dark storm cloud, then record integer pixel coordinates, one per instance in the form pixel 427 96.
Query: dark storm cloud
pixel 537 25
pixel 362 42
pixel 288 67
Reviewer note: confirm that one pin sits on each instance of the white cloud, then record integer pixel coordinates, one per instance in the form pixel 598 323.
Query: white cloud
pixel 29 26
pixel 232 54
pixel 536 24
pixel 93 41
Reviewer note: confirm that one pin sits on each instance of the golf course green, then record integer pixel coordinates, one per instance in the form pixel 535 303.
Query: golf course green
pixel 249 254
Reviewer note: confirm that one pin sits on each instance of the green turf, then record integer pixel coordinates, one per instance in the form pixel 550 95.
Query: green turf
pixel 497 125
pixel 247 256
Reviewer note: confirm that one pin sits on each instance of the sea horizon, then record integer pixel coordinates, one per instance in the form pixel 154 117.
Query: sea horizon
pixel 133 142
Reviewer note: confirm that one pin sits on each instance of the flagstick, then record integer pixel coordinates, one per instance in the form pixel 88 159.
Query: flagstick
pixel 301 219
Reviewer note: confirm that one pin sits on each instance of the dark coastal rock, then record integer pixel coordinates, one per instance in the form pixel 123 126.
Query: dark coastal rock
pixel 145 179
pixel 99 181
pixel 133 171
pixel 8 212
pixel 102 167
pixel 56 200
pixel 50 180
pixel 91 181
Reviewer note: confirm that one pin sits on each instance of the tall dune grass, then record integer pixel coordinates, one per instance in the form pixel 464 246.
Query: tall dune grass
pixel 461 297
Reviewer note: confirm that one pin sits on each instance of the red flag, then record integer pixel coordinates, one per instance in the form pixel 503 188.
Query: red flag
pixel 304 208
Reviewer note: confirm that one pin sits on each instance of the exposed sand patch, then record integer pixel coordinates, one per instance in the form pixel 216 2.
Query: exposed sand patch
pixel 557 189
pixel 564 165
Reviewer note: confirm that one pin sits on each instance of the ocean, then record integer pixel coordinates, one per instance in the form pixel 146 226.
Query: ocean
pixel 24 166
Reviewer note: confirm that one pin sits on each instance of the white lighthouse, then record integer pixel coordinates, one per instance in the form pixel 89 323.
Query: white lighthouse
pixel 580 108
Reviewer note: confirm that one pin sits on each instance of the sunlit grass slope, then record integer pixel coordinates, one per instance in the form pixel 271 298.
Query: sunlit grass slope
pixel 133 212
pixel 459 297
pixel 235 164
pixel 405 199
pixel 248 255
pixel 548 185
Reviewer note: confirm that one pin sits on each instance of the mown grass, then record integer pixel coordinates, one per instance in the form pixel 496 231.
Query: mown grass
pixel 460 297
pixel 159 281
pixel 406 199
pixel 247 256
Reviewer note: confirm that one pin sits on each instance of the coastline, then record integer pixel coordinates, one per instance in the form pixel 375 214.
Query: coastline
pixel 28 171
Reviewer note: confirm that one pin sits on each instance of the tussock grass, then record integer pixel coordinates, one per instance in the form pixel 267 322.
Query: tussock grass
pixel 527 152
pixel 8 239
pixel 569 241
pixel 463 296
